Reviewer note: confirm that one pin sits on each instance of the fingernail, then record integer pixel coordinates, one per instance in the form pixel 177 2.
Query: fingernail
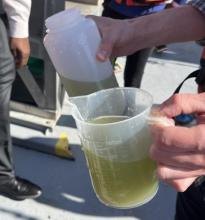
pixel 102 55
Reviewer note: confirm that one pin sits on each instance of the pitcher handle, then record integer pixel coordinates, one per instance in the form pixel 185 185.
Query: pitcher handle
pixel 154 118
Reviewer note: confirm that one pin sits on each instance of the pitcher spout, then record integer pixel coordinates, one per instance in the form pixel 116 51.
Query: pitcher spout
pixel 82 107
pixel 76 104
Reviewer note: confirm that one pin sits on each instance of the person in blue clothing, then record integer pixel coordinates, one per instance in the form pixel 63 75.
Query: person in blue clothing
pixel 123 9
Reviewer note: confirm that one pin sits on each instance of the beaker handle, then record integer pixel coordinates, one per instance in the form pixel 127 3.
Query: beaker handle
pixel 160 120
pixel 154 118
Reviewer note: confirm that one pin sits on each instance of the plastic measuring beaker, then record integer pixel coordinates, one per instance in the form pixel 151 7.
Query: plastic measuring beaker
pixel 115 138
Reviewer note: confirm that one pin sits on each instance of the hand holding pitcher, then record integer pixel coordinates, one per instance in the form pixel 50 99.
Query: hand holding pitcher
pixel 180 151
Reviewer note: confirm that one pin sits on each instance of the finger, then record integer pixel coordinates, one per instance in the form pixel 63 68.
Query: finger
pixel 105 48
pixel 188 160
pixel 168 173
pixel 180 103
pixel 14 52
pixel 16 57
pixel 200 118
pixel 22 60
pixel 181 185
pixel 179 139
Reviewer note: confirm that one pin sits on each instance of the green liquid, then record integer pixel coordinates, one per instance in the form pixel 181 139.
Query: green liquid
pixel 78 88
pixel 108 119
pixel 121 184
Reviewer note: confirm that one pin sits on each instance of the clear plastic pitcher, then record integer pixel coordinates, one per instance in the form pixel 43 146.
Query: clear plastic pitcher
pixel 115 138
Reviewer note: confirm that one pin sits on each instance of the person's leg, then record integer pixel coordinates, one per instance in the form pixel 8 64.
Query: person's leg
pixel 109 12
pixel 134 68
pixel 190 205
pixel 7 75
pixel 10 185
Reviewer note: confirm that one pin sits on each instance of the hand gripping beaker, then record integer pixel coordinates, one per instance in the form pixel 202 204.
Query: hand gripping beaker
pixel 115 138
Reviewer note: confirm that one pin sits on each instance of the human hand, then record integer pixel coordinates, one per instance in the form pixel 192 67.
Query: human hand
pixel 20 49
pixel 180 151
pixel 117 36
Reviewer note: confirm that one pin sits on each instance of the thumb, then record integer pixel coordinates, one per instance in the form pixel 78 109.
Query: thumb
pixel 106 45
pixel 181 185
pixel 105 48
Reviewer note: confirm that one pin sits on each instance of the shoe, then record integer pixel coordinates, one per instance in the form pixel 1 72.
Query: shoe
pixel 17 188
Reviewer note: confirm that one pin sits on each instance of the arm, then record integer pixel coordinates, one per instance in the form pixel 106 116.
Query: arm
pixel 18 12
pixel 176 3
pixel 172 25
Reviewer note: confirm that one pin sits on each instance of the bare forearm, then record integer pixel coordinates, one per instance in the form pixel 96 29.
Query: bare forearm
pixel 124 37
pixel 169 26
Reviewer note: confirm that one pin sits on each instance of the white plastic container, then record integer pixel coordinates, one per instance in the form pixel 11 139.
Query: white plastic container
pixel 71 42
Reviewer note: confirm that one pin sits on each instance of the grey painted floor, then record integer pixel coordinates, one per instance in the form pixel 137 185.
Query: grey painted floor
pixel 67 190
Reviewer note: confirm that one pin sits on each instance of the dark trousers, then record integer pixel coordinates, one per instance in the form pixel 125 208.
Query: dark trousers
pixel 7 75
pixel 190 204
pixel 135 63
